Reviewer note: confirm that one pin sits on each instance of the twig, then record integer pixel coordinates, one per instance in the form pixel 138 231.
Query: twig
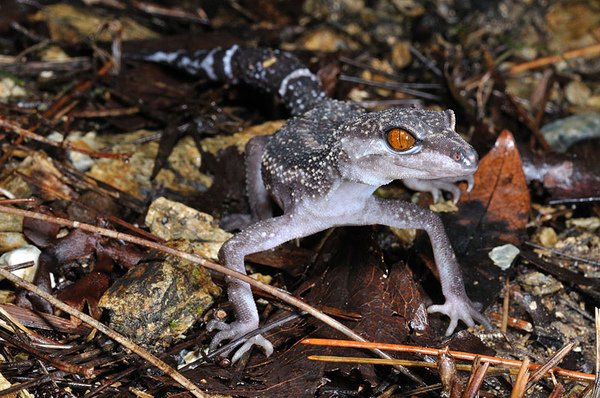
pixel 563 254
pixel 511 321
pixel 379 361
pixel 109 381
pixel 574 200
pixel 163 366
pixel 43 379
pixel 585 52
pixel 153 9
pixel 596 388
pixel 505 306
pixel 376 103
pixel 539 100
pixel 558 391
pixel 379 71
pixel 390 86
pixel 522 378
pixel 78 89
pixel 549 365
pixel 25 133
pixel 85 371
pixel 35 67
pixel 131 110
pixel 60 103
pixel 467 356
pixel 278 293
pixel 429 63
pixel 36 47
pixel 477 375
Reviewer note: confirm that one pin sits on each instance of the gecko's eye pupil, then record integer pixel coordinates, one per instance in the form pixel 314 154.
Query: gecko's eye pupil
pixel 400 139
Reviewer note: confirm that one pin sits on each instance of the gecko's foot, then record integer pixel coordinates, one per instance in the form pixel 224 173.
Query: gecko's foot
pixel 438 186
pixel 460 309
pixel 235 330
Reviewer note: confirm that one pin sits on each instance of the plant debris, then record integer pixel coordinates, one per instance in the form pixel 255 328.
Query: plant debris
pixel 126 151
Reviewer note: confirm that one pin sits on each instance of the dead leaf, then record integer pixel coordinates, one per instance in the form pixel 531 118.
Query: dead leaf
pixel 86 290
pixel 40 233
pixel 500 194
pixel 494 213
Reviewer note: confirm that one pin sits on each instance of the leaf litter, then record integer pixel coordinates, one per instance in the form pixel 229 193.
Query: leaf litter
pixel 486 62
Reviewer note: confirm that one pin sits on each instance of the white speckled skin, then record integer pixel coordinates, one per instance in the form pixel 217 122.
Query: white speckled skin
pixel 322 168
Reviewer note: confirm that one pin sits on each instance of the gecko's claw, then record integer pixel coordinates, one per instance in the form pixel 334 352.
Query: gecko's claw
pixel 233 331
pixel 470 182
pixel 460 309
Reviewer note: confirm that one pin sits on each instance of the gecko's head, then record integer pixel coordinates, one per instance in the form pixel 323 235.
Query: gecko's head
pixel 399 143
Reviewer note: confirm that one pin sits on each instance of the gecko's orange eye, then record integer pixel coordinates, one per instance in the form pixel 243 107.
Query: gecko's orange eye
pixel 400 140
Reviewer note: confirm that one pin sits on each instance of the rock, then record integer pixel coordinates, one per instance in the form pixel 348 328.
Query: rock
pixel 578 93
pixel 23 254
pixel 171 220
pixel 503 256
pixel 158 301
pixel 563 133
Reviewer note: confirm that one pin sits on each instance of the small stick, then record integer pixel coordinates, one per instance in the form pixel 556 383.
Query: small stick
pixel 84 371
pixel 25 133
pixel 585 52
pixel 390 86
pixel 563 254
pixel 512 321
pixel 467 356
pixel 549 365
pixel 477 375
pixel 38 381
pixel 505 306
pixel 596 384
pixel 522 378
pixel 131 110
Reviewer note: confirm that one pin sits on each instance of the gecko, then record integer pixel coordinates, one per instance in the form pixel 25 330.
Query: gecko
pixel 322 169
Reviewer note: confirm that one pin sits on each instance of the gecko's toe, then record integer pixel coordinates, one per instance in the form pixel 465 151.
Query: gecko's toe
pixel 217 325
pixel 233 331
pixel 259 341
pixel 452 188
pixel 459 310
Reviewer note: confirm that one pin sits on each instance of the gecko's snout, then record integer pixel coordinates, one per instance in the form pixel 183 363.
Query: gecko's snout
pixel 466 157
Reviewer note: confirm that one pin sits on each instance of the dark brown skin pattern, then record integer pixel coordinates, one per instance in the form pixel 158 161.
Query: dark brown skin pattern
pixel 322 169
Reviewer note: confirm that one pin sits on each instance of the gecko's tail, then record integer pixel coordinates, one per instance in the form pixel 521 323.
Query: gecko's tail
pixel 271 70
pixel 180 59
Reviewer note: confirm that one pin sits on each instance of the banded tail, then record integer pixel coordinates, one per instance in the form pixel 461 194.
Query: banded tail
pixel 273 71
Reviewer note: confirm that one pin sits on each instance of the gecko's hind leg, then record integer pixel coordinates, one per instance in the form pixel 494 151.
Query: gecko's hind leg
pixel 258 197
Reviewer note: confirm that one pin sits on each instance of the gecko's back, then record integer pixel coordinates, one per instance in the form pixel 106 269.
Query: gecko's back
pixel 301 159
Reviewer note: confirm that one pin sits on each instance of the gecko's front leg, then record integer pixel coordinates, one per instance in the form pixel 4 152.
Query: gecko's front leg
pixel 263 235
pixel 400 214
